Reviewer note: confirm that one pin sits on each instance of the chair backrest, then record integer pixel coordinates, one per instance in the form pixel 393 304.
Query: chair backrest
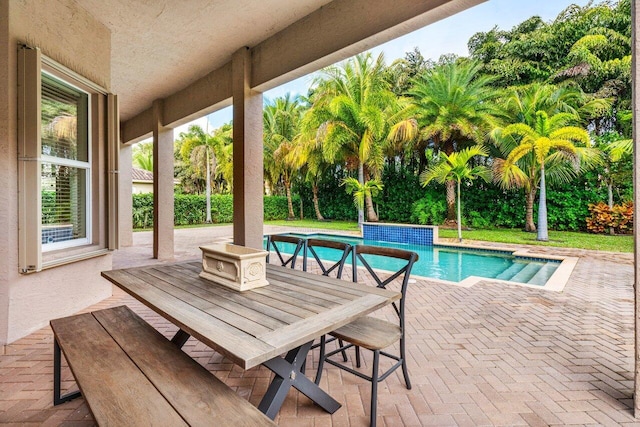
pixel 275 241
pixel 406 260
pixel 341 248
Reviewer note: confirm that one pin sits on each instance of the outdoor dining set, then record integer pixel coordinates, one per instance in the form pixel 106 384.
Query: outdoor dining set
pixel 129 373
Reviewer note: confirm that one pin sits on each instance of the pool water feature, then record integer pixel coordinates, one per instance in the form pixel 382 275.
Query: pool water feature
pixel 451 263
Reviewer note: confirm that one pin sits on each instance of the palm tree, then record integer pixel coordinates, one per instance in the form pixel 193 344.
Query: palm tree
pixel 222 143
pixel 360 192
pixel 549 142
pixel 197 148
pixel 281 125
pixel 307 156
pixel 455 167
pixel 348 117
pixel 614 148
pixel 522 104
pixel 143 155
pixel 453 106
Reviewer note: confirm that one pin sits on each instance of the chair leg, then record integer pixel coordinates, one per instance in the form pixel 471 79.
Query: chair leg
pixel 321 359
pixel 344 353
pixel 405 371
pixel 358 364
pixel 374 388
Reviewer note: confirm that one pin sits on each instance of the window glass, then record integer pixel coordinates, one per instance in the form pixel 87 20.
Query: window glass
pixel 64 190
pixel 64 120
pixel 65 164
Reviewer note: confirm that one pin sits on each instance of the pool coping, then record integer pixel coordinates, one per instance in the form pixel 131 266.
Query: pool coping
pixel 555 283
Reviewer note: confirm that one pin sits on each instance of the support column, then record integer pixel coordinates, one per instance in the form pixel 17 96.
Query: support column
pixel 635 105
pixel 125 197
pixel 248 213
pixel 162 186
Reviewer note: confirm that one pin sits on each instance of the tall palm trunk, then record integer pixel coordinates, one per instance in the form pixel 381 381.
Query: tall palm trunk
pixel 543 232
pixel 459 215
pixel 316 205
pixel 610 197
pixel 371 213
pixel 287 186
pixel 451 201
pixel 361 181
pixel 530 200
pixel 448 148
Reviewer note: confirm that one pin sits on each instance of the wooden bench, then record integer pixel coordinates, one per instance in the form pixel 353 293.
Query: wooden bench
pixel 130 374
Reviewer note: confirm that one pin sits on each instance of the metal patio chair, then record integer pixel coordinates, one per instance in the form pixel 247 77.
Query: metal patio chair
pixel 341 250
pixel 373 333
pixel 276 241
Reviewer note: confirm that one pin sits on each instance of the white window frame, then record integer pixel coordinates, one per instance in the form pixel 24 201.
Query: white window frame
pixel 101 167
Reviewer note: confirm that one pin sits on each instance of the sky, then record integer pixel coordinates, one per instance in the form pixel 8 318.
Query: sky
pixel 447 36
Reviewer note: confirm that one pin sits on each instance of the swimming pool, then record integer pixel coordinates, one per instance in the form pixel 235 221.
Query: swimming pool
pixel 454 264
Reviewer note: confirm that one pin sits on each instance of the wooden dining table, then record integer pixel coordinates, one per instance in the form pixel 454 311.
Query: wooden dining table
pixel 256 326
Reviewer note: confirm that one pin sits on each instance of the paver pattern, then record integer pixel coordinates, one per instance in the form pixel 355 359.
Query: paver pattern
pixel 492 354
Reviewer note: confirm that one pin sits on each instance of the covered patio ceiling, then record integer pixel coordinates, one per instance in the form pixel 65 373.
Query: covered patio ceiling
pixel 163 48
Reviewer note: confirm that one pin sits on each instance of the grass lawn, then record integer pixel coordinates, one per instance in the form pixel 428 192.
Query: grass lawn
pixel 312 223
pixel 563 239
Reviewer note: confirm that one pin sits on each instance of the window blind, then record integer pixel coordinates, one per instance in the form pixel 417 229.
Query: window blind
pixel 64 166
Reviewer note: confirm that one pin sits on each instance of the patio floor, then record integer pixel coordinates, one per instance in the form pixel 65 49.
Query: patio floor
pixel 492 354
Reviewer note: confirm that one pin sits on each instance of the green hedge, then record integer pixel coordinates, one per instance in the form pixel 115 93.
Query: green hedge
pixel 191 209
pixel 484 205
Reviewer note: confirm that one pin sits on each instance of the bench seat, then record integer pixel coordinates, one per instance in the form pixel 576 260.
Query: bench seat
pixel 130 374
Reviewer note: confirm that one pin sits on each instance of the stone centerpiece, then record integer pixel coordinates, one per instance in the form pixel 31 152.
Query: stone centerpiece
pixel 237 267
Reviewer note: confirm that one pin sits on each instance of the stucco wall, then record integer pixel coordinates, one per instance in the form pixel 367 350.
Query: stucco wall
pixel 71 36
pixel 125 201
pixel 141 187
pixel 4 166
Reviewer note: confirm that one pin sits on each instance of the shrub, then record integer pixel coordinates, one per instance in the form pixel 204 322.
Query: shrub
pixel 221 208
pixel 477 220
pixel 275 207
pixel 191 209
pixel 401 189
pixel 602 218
pixel 429 210
pixel 143 210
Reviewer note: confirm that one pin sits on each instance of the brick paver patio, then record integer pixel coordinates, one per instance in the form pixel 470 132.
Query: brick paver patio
pixel 491 354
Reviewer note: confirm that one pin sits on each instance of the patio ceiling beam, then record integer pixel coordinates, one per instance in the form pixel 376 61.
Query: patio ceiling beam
pixel 332 33
pixel 339 30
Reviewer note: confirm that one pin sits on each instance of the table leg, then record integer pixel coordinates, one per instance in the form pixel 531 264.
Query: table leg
pixel 57 366
pixel 289 374
pixel 180 338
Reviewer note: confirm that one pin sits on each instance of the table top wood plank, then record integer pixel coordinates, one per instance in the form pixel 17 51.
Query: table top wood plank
pixel 313 306
pixel 240 347
pixel 230 298
pixel 311 291
pixel 286 307
pixel 251 321
pixel 240 322
pixel 325 322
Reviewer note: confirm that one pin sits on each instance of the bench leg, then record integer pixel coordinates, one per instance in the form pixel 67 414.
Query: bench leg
pixel 289 374
pixel 180 338
pixel 57 367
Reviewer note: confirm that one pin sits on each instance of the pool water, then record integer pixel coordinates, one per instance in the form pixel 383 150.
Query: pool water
pixel 449 263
